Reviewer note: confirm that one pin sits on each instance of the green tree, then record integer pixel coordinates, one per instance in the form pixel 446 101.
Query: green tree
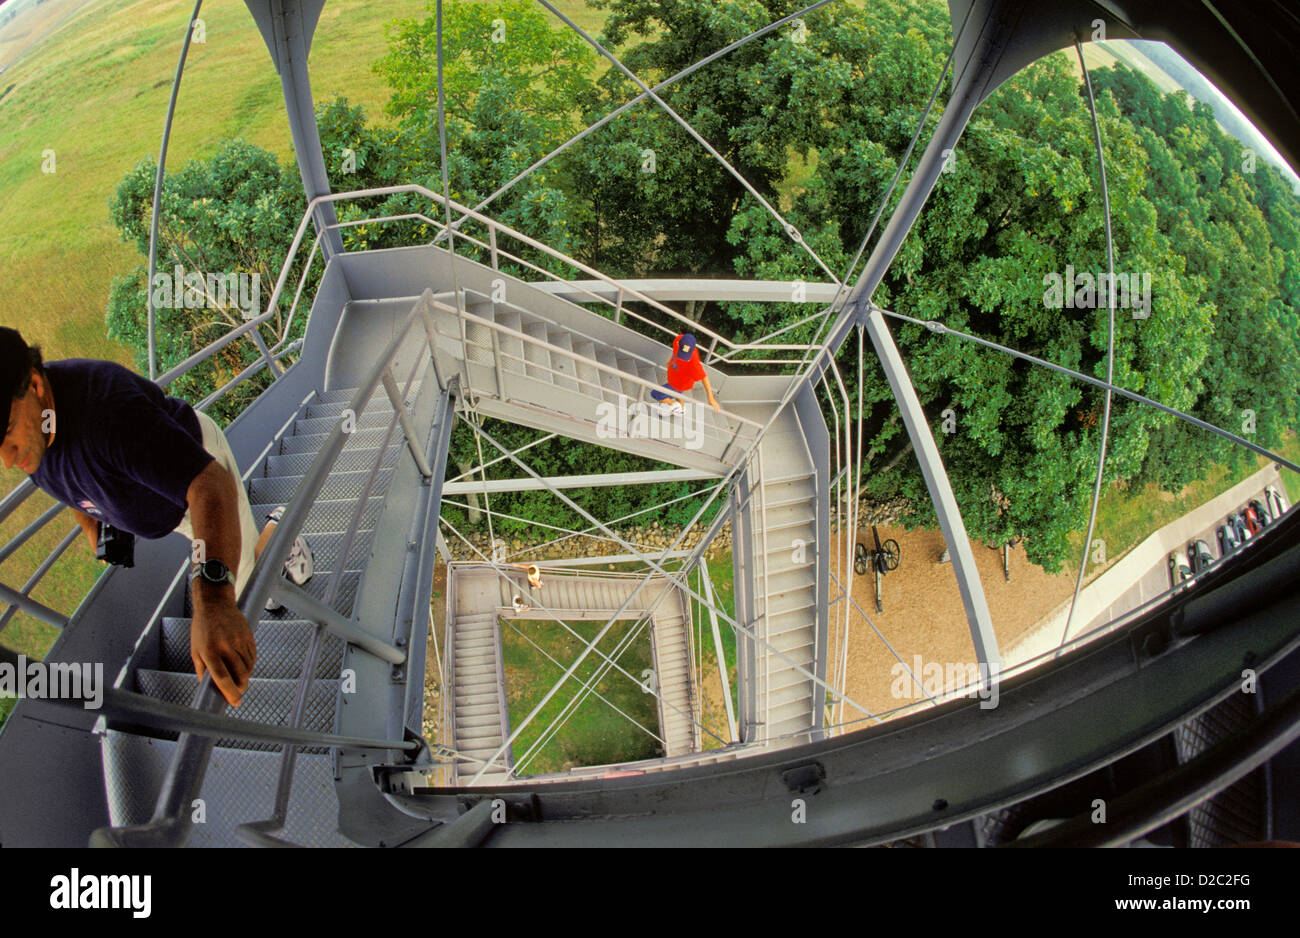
pixel 232 214
pixel 1021 202
pixel 510 78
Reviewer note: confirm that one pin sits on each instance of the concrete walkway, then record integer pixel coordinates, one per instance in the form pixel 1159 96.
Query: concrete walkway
pixel 1142 573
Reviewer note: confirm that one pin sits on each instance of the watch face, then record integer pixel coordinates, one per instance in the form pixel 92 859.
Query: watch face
pixel 214 571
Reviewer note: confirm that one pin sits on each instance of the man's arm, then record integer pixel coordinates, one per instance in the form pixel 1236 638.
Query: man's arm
pixel 90 526
pixel 220 640
pixel 708 389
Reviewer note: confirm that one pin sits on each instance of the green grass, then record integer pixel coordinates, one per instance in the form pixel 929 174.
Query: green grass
pixel 111 68
pixel 1291 481
pixel 595 734
pixel 720 575
pixel 1125 518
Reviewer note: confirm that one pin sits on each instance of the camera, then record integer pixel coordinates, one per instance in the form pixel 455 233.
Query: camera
pixel 115 546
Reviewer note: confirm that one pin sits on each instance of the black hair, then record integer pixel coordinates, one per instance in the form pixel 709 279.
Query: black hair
pixel 34 363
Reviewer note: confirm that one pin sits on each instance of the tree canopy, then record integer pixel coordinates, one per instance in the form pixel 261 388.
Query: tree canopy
pixel 815 117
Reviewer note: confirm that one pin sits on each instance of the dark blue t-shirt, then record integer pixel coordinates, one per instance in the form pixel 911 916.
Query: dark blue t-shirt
pixel 123 451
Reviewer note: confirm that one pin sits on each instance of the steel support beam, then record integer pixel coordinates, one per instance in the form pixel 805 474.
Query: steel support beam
pixel 966 96
pixel 492 486
pixel 684 289
pixel 287 27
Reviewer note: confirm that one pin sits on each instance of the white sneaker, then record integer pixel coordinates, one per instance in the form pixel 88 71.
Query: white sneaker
pixel 671 408
pixel 300 566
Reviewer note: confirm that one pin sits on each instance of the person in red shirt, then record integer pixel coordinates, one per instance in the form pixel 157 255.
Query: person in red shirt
pixel 684 370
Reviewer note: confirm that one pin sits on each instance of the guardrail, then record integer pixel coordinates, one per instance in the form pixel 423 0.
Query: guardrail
pixel 494 350
pixel 270 356
pixel 171 819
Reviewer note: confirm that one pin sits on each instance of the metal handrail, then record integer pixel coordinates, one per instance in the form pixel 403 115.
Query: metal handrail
pixel 841 484
pixel 259 833
pixel 493 225
pixel 598 365
pixel 767 595
pixel 254 368
pixel 178 718
pixel 184 775
pixel 465 213
pixel 618 305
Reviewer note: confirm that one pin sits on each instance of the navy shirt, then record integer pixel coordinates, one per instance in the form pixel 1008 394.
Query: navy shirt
pixel 123 451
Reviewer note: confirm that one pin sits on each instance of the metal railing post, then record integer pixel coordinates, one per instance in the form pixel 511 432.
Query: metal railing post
pixel 157 188
pixel 271 366
pixel 404 418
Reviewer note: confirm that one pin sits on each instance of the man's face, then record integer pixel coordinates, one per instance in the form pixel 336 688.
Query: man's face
pixel 24 442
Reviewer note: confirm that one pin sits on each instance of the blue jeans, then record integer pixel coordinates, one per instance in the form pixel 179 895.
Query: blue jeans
pixel 661 396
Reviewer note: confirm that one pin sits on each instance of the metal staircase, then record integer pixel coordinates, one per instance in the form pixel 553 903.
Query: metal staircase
pixel 343 516
pixel 523 365
pixel 543 362
pixel 481 596
pixel 788 511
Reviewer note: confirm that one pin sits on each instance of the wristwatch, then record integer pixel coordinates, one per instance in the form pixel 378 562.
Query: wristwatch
pixel 212 570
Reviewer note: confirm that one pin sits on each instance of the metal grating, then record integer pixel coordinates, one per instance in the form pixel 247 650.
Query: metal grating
pixel 281 649
pixel 359 458
pixel 269 701
pixel 1239 813
pixel 136 762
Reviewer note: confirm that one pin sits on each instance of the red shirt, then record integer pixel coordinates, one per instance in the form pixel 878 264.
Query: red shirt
pixel 683 375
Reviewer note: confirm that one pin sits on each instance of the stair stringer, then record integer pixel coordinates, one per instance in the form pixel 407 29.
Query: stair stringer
pixel 398 577
pixel 813 424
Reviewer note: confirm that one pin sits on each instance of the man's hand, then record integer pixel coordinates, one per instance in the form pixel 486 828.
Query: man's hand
pixel 222 643
pixel 708 389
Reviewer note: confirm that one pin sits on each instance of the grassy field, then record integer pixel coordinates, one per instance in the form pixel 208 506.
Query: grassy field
pixel 110 66
pixel 595 734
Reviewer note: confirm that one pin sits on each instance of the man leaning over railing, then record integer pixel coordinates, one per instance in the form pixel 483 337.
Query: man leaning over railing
pixel 127 458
